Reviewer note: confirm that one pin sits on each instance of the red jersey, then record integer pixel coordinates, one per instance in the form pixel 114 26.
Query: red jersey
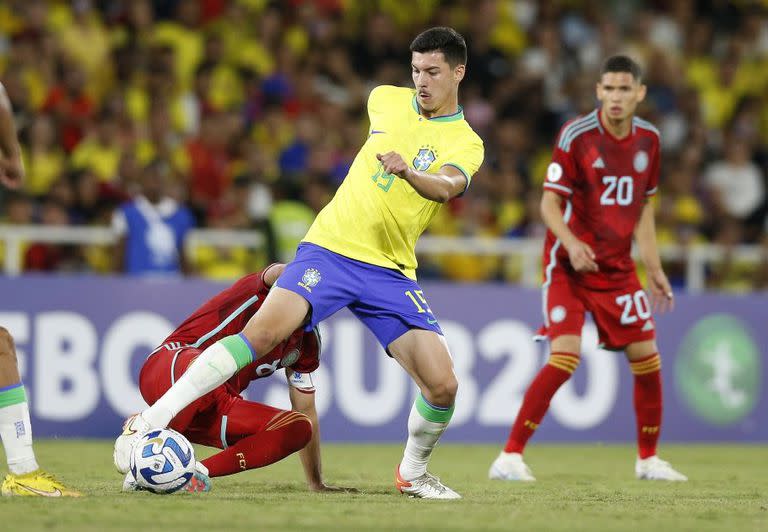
pixel 226 314
pixel 606 182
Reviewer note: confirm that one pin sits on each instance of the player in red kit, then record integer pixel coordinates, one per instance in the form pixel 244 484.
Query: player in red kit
pixel 596 198
pixel 250 434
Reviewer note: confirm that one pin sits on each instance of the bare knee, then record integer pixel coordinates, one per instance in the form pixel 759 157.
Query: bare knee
pixel 442 393
pixel 7 348
pixel 282 313
pixel 263 340
pixel 640 350
pixel 9 366
pixel 566 343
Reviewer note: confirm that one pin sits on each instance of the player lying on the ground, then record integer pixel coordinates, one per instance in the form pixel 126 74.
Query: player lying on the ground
pixel 26 477
pixel 251 434
pixel 596 197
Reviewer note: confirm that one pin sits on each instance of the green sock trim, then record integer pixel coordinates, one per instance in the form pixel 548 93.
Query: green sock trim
pixel 13 396
pixel 430 413
pixel 240 350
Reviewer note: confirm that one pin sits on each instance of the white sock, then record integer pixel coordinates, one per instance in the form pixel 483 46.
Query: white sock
pixel 16 433
pixel 510 456
pixel 422 438
pixel 211 369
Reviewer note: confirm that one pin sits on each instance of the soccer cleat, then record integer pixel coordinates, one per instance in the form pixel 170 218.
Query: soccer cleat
pixel 130 484
pixel 654 468
pixel 510 466
pixel 36 484
pixel 427 486
pixel 199 483
pixel 133 428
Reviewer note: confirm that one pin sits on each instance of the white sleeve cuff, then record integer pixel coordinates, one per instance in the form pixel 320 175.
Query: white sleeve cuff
pixel 558 188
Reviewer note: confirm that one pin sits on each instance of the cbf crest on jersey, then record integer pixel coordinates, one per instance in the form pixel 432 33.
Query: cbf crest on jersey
pixel 424 158
pixel 310 279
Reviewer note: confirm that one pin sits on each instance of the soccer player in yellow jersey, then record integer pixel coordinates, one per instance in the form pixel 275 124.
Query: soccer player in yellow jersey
pixel 359 253
pixel 25 477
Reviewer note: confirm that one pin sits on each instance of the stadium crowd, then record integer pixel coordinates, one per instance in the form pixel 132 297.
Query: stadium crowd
pixel 246 113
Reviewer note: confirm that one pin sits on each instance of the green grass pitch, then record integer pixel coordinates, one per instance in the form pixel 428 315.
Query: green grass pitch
pixel 580 487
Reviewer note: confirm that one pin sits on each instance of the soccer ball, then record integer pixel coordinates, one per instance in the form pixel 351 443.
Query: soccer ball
pixel 162 461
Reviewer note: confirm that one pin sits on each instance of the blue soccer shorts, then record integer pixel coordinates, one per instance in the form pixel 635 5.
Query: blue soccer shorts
pixel 386 301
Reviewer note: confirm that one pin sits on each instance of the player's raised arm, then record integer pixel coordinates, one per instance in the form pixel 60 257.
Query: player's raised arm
pixel 11 166
pixel 304 402
pixel 581 255
pixel 448 183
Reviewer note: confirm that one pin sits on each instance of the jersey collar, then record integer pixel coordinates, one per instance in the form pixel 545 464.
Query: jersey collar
pixel 458 115
pixel 610 135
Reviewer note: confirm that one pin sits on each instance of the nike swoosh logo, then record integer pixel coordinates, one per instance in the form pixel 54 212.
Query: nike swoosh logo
pixel 54 493
pixel 431 321
pixel 128 428
pixel 376 132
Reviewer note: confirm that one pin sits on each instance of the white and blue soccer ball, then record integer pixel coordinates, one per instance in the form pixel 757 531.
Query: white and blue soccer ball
pixel 163 461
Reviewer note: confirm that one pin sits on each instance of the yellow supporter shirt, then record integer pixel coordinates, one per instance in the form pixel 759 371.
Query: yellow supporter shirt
pixel 43 168
pixel 376 217
pixel 102 160
pixel 188 46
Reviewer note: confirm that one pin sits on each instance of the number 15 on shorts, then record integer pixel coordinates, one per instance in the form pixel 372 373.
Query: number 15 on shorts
pixel 417 296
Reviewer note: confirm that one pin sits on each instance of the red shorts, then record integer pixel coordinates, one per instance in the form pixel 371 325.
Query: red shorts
pixel 623 316
pixel 220 418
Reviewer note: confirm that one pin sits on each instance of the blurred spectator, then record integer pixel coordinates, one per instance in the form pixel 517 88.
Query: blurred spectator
pixel 294 158
pixel 477 220
pixel 152 228
pixel 19 209
pixel 228 261
pixel 489 62
pixel 100 150
pixel 159 140
pixel 44 159
pixel 93 200
pixel 84 40
pixel 737 186
pixel 70 105
pixel 43 257
pixel 680 214
pixel 183 35
pixel 197 102
pixel 208 162
pixel 377 45
pixel 511 208
pixel 290 218
pixel 730 273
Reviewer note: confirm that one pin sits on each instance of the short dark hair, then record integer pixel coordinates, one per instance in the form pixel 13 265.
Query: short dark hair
pixel 445 40
pixel 622 63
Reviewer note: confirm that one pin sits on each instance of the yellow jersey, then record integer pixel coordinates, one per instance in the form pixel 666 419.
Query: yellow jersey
pixel 377 217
